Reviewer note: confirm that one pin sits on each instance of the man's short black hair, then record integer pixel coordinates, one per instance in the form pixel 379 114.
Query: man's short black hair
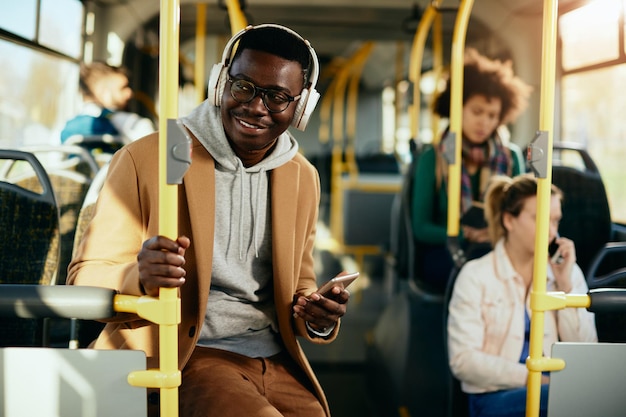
pixel 279 42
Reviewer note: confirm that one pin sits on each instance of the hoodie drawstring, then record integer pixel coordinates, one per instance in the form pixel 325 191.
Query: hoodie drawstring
pixel 241 177
pixel 256 220
pixel 255 213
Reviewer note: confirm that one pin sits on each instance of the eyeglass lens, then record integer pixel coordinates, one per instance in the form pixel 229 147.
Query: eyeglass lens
pixel 244 91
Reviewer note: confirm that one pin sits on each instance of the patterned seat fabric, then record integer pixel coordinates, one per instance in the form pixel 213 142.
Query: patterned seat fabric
pixel 29 253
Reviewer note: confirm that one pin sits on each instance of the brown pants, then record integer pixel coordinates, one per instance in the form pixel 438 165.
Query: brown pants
pixel 224 384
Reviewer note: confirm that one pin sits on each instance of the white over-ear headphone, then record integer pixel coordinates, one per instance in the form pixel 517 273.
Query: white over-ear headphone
pixel 308 97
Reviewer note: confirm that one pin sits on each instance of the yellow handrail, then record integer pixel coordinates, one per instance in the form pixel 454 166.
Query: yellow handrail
pixel 356 69
pixel 327 100
pixel 437 70
pixel 338 167
pixel 456 111
pixel 236 16
pixel 546 124
pixel 415 63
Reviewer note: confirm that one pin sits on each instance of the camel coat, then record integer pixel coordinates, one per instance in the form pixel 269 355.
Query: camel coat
pixel 126 215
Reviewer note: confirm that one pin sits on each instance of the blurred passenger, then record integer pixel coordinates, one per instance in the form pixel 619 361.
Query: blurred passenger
pixel 106 93
pixel 492 97
pixel 489 322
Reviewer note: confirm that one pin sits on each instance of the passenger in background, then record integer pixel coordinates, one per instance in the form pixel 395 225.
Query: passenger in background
pixel 106 93
pixel 488 321
pixel 492 97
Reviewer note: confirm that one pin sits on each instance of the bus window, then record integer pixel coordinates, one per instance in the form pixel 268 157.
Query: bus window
pixel 61 26
pixel 594 69
pixel 38 93
pixel 20 19
pixel 590 34
pixel 39 61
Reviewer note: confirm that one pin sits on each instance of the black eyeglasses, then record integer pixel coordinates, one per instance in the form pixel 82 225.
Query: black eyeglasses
pixel 275 101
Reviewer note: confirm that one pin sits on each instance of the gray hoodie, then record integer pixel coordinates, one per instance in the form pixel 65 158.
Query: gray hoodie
pixel 240 315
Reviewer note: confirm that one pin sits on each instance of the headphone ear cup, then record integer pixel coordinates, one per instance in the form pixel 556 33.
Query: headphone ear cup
pixel 217 79
pixel 300 106
pixel 306 104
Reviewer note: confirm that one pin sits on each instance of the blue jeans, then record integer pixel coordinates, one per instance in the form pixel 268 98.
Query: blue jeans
pixel 507 403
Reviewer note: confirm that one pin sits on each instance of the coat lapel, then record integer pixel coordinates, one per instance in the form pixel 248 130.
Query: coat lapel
pixel 284 183
pixel 201 177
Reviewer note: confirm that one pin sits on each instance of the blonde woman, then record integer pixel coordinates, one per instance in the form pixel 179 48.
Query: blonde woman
pixel 488 322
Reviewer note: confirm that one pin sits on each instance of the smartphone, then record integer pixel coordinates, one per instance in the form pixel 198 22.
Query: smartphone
pixel 553 251
pixel 343 280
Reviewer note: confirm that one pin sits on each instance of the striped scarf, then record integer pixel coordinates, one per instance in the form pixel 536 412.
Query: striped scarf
pixel 493 159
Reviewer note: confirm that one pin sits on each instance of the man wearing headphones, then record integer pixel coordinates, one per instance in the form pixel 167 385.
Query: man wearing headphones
pixel 248 208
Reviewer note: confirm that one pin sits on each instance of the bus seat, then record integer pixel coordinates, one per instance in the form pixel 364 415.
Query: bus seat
pixel 608 270
pixel 402 243
pixel 64 158
pixel 29 248
pixel 70 187
pixel 592 382
pixel 88 203
pixel 46 382
pixel 51 382
pixel 378 163
pixel 457 400
pixel 71 170
pixel 406 373
pixel 101 147
pixel 363 205
pixel 586 216
pixel 83 332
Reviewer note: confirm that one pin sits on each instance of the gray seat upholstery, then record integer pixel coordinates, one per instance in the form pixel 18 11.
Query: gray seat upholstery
pixel 29 252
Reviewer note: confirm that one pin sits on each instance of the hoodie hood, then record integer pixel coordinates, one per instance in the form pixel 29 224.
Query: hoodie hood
pixel 205 122
pixel 239 191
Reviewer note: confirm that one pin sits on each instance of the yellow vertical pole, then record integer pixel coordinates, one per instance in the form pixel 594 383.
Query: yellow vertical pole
pixel 356 68
pixel 236 16
pixel 168 196
pixel 437 70
pixel 337 164
pixel 456 110
pixel 546 124
pixel 200 52
pixel 415 64
pixel 338 134
pixel 398 105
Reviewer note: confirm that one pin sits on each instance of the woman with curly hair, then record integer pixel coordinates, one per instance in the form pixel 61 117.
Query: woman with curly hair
pixel 492 97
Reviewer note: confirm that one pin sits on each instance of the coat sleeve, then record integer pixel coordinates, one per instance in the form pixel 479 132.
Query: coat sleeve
pixel 107 254
pixel 424 199
pixel 306 276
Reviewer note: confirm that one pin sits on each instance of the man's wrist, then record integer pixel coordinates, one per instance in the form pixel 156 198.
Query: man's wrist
pixel 322 332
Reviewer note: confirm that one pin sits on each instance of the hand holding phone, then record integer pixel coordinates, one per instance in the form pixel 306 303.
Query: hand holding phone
pixel 553 251
pixel 343 280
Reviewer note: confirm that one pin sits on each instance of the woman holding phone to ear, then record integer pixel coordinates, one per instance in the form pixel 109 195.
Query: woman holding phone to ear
pixel 489 320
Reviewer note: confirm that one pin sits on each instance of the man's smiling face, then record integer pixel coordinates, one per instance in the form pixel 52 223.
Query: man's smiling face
pixel 250 128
